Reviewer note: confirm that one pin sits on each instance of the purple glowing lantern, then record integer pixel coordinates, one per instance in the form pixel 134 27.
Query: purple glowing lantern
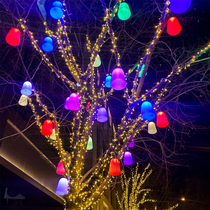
pixel 62 187
pixel 60 168
pixel 131 144
pixel 102 115
pixel 127 159
pixel 118 81
pixel 72 102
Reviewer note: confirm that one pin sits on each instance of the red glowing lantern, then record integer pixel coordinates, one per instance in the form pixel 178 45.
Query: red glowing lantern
pixel 88 106
pixel 173 26
pixel 60 168
pixel 13 37
pixel 47 128
pixel 114 168
pixel 162 120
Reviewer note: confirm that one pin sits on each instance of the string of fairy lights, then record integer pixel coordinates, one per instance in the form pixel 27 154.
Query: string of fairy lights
pixel 82 126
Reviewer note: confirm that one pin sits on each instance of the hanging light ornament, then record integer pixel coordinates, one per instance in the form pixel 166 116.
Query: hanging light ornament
pixel 72 102
pixel 147 111
pixel 114 167
pixel 173 26
pixel 26 88
pixel 53 136
pixel 102 115
pixel 90 144
pixel 47 45
pixel 13 37
pixel 62 187
pixel 97 62
pixel 127 158
pixel 179 6
pixel 132 143
pixel 118 81
pixel 56 10
pixel 47 128
pixel 152 128
pixel 60 168
pixel 141 72
pixel 124 11
pixel 162 120
pixel 108 81
pixel 23 101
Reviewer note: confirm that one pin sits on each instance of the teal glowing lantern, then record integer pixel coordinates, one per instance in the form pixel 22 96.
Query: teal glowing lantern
pixel 124 11
pixel 179 6
pixel 26 88
pixel 56 10
pixel 128 159
pixel 147 111
pixel 118 81
pixel 62 187
pixel 90 144
pixel 47 45
pixel 142 69
pixel 97 62
pixel 108 81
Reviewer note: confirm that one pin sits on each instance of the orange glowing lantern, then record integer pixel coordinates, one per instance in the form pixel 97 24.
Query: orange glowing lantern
pixel 114 168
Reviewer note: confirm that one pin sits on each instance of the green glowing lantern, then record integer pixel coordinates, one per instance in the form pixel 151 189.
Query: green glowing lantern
pixel 97 62
pixel 90 144
pixel 124 12
pixel 142 69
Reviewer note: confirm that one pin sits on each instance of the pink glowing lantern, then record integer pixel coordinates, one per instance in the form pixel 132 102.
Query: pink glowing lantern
pixel 62 187
pixel 128 159
pixel 60 168
pixel 72 102
pixel 102 115
pixel 118 81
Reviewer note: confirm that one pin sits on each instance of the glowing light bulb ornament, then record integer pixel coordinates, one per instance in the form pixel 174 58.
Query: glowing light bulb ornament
pixel 72 102
pixel 62 187
pixel 124 11
pixel 118 81
pixel 132 143
pixel 47 45
pixel 47 128
pixel 162 120
pixel 114 167
pixel 13 37
pixel 56 10
pixel 179 6
pixel 60 168
pixel 26 88
pixel 90 144
pixel 23 101
pixel 108 81
pixel 127 158
pixel 142 69
pixel 173 26
pixel 102 115
pixel 97 62
pixel 147 111
pixel 152 128
pixel 53 136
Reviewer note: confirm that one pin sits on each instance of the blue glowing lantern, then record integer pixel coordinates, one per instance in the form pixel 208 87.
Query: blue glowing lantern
pixel 47 45
pixel 62 187
pixel 26 88
pixel 108 81
pixel 179 6
pixel 147 111
pixel 56 11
